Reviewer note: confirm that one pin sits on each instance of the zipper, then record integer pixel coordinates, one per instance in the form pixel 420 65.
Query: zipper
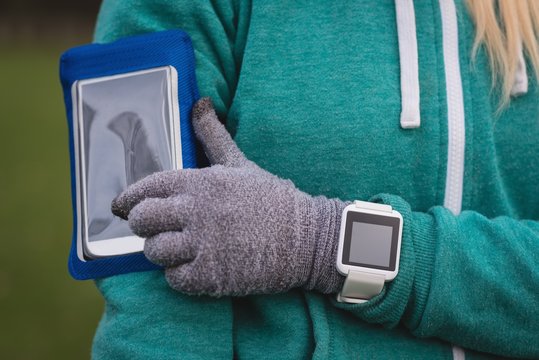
pixel 455 119
pixel 455 108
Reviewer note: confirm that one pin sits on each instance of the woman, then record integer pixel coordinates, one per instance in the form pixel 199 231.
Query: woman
pixel 379 101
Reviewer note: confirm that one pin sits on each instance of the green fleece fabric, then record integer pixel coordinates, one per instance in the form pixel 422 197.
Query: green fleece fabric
pixel 311 92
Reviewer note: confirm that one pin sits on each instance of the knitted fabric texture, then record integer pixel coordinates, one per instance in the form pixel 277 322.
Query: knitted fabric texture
pixel 310 92
pixel 280 239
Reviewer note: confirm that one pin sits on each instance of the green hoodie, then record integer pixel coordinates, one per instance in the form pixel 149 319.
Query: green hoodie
pixel 311 91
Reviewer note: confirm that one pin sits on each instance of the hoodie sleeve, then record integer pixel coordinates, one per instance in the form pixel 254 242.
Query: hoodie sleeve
pixel 217 29
pixel 144 317
pixel 466 279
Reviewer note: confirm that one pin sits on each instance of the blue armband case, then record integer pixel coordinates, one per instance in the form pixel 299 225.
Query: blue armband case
pixel 150 81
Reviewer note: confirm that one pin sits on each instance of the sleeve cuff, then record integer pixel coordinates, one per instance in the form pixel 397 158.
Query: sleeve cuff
pixel 405 297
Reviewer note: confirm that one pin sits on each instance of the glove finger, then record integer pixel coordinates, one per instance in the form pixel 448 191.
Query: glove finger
pixel 171 248
pixel 153 216
pixel 217 143
pixel 159 185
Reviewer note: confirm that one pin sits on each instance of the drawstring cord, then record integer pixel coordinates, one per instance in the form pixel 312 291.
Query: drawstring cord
pixel 520 86
pixel 409 67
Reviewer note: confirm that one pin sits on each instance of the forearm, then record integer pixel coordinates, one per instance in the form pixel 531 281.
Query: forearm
pixel 145 319
pixel 466 279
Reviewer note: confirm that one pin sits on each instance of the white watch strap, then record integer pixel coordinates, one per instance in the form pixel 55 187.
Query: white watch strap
pixel 361 286
pixel 373 206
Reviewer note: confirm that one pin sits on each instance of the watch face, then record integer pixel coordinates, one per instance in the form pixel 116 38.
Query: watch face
pixel 371 241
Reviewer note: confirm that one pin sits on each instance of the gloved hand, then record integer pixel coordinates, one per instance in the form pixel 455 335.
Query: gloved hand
pixel 233 228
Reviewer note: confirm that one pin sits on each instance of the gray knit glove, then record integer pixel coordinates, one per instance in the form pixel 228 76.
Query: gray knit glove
pixel 233 228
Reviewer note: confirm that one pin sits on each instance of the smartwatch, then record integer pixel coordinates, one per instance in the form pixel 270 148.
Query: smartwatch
pixel 369 249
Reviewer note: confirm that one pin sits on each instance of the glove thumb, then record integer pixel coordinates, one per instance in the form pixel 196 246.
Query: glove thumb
pixel 215 139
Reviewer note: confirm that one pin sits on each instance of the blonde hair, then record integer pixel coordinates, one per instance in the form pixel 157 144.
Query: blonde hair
pixel 505 28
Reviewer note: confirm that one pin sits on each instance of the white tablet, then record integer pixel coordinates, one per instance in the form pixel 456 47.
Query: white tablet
pixel 126 127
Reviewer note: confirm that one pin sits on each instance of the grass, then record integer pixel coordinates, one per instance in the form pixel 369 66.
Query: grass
pixel 44 313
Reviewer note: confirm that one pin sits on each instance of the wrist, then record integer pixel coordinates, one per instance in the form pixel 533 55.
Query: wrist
pixel 326 222
pixel 369 249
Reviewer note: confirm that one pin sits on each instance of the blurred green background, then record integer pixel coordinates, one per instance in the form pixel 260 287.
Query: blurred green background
pixel 44 313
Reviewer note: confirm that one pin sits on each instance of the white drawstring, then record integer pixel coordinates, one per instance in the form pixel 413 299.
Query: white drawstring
pixel 520 86
pixel 409 67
